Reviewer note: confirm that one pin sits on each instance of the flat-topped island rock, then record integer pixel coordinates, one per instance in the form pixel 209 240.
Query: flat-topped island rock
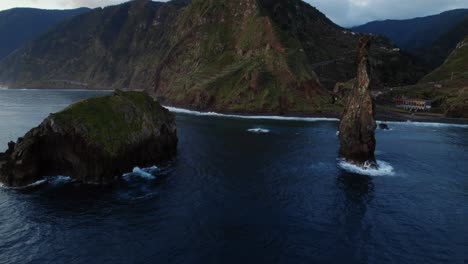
pixel 93 141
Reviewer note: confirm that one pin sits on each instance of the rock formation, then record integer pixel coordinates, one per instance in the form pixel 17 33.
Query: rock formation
pixel 383 126
pixel 357 126
pixel 93 141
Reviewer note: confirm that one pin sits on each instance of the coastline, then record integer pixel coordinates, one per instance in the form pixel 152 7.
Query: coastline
pixel 382 116
pixel 394 118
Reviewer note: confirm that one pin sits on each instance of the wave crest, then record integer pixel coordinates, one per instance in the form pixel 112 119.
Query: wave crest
pixel 259 117
pixel 384 169
pixel 145 173
pixel 258 130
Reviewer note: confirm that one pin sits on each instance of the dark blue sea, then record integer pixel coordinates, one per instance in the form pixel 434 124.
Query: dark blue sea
pixel 276 194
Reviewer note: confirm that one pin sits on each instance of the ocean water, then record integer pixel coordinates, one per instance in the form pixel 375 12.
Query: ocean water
pixel 246 191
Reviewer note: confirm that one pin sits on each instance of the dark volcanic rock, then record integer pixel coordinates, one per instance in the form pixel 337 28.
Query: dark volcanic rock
pixel 357 126
pixel 383 126
pixel 93 141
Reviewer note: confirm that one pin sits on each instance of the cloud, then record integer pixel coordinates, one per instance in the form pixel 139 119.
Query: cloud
pixel 342 12
pixel 90 3
pixel 355 12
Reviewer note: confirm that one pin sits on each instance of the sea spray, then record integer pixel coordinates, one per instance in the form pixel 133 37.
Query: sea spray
pixel 145 173
pixel 383 168
pixel 258 130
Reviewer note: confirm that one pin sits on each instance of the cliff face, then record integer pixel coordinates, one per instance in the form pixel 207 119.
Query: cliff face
pixel 258 56
pixel 117 47
pixel 248 56
pixel 357 126
pixel 93 141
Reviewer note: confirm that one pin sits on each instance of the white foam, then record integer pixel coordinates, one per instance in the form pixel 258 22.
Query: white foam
pixel 384 169
pixel 258 130
pixel 261 117
pixel 146 173
pixel 303 119
pixel 59 180
pixel 425 124
pixel 34 184
pixel 56 180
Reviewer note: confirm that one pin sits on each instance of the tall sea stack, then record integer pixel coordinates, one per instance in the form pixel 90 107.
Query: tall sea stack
pixel 357 126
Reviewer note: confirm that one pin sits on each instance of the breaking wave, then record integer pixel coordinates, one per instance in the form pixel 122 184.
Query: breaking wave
pixel 258 130
pixel 53 180
pixel 424 124
pixel 145 173
pixel 262 117
pixel 34 184
pixel 59 180
pixel 303 119
pixel 384 168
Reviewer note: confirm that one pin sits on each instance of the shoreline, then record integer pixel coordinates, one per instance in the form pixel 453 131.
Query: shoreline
pixel 314 118
pixel 383 116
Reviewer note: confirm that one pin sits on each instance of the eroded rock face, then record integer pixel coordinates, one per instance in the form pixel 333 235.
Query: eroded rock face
pixel 357 126
pixel 93 141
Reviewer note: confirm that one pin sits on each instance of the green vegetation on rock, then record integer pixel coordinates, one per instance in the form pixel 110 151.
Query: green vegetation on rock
pixel 455 67
pixel 113 122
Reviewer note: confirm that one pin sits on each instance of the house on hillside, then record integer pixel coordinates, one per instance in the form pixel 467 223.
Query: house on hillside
pixel 413 104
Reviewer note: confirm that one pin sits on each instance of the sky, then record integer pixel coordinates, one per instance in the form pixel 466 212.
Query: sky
pixel 343 12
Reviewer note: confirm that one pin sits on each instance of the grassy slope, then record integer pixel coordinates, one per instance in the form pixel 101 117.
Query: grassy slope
pixel 449 96
pixel 456 63
pixel 113 121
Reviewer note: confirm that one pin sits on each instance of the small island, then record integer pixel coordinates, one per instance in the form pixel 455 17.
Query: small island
pixel 93 141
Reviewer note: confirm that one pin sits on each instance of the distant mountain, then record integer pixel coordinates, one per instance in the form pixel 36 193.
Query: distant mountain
pixel 446 86
pixel 454 67
pixel 416 33
pixel 113 47
pixel 268 56
pixel 435 54
pixel 21 25
pixel 452 78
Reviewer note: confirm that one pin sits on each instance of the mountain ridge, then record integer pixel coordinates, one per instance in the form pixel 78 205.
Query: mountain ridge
pixel 21 25
pixel 231 56
pixel 412 34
